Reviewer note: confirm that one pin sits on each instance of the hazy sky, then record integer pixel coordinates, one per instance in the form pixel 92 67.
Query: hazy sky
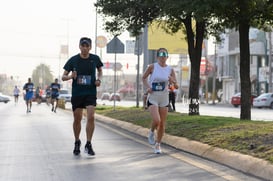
pixel 32 32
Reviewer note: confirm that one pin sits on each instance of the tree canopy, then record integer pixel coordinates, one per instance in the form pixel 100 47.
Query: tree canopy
pixel 42 76
pixel 134 15
pixel 199 18
pixel 241 15
pixel 127 15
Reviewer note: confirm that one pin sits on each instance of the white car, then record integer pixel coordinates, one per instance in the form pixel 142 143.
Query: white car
pixel 65 95
pixel 115 96
pixel 105 96
pixel 4 98
pixel 263 100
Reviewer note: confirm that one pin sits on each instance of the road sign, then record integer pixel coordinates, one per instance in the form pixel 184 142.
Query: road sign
pixel 101 41
pixel 130 46
pixel 138 45
pixel 115 46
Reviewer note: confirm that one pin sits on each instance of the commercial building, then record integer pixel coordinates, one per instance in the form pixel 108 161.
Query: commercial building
pixel 228 63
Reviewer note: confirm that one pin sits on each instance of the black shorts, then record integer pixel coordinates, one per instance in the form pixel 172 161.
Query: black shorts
pixel 83 101
pixel 55 96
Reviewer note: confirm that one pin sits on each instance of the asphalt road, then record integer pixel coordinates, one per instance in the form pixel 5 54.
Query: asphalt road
pixel 218 109
pixel 38 146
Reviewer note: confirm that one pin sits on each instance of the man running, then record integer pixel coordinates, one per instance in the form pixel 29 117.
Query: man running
pixel 28 87
pixel 86 74
pixel 55 88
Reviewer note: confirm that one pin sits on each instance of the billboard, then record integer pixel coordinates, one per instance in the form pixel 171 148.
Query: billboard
pixel 157 38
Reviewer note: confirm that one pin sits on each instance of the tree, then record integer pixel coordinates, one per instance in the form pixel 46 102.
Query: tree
pixel 210 17
pixel 42 76
pixel 127 15
pixel 241 15
pixel 134 15
pixel 194 17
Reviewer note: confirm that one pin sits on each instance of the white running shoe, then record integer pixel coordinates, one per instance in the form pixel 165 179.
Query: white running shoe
pixel 157 148
pixel 151 137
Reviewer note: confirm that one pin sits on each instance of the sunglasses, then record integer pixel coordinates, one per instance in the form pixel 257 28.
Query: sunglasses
pixel 162 54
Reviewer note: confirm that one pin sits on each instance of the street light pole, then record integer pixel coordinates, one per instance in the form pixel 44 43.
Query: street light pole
pixel 270 62
pixel 214 76
pixel 138 56
pixel 96 31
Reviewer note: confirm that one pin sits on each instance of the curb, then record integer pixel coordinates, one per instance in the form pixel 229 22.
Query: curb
pixel 245 163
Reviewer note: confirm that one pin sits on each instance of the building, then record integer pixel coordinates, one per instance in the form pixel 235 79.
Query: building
pixel 228 62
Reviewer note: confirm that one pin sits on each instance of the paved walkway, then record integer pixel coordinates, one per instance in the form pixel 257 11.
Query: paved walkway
pixel 244 163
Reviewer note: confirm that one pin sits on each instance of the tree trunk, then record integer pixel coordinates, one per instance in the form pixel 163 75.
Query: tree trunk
pixel 244 71
pixel 195 52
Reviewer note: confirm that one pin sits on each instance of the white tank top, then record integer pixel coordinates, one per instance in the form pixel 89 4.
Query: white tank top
pixel 160 75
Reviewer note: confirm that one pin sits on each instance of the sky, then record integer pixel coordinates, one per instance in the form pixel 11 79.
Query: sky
pixel 32 32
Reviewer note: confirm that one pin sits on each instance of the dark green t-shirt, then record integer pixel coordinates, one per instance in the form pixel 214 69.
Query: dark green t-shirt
pixel 84 84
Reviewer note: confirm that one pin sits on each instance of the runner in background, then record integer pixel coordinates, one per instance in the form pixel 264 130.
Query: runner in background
pixel 29 90
pixel 16 92
pixel 55 89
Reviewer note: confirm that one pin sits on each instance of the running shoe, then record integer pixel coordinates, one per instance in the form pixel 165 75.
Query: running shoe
pixel 157 148
pixel 77 150
pixel 151 137
pixel 89 150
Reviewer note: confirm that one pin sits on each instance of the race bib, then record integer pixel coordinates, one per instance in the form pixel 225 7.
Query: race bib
pixel 30 87
pixel 84 80
pixel 55 87
pixel 158 86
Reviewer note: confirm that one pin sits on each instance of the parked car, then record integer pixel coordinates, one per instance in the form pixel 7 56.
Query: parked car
pixel 44 98
pixel 64 94
pixel 236 99
pixel 105 96
pixel 264 100
pixel 4 98
pixel 115 96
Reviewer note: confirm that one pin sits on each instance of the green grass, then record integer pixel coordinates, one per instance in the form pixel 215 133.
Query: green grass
pixel 248 137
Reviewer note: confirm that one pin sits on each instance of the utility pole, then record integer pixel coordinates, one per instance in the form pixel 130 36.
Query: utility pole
pixel 270 61
pixel 138 56
pixel 96 30
pixel 214 75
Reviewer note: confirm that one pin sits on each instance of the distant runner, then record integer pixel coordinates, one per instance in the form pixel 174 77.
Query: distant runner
pixel 16 92
pixel 28 88
pixel 55 88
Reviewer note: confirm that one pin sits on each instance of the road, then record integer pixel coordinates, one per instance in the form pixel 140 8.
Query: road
pixel 38 146
pixel 226 110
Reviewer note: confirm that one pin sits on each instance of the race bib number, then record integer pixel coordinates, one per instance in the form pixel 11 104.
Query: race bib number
pixel 30 87
pixel 158 86
pixel 55 87
pixel 84 80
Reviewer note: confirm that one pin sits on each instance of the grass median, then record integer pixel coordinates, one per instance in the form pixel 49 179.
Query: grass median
pixel 253 138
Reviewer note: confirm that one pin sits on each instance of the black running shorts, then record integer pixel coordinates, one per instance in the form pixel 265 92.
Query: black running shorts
pixel 83 101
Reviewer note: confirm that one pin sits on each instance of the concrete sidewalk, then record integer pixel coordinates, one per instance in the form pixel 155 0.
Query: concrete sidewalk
pixel 244 163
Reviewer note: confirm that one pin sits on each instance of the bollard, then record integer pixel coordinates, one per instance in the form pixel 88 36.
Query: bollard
pixel 61 103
